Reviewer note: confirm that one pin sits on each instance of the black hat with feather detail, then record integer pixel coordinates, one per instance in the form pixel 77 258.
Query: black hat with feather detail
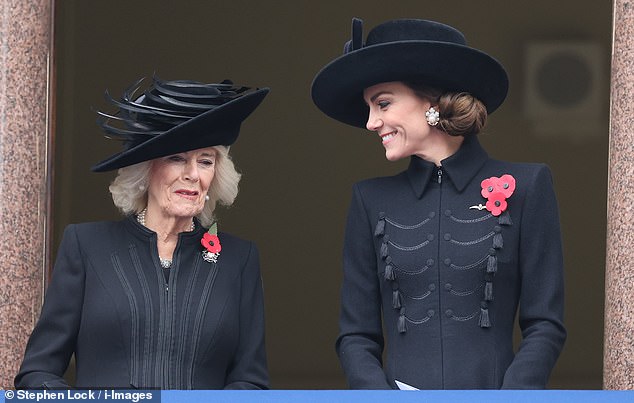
pixel 170 117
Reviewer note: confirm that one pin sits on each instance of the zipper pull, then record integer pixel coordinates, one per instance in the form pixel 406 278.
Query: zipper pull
pixel 439 175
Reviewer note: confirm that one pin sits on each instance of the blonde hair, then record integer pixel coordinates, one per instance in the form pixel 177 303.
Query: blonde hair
pixel 129 188
pixel 461 114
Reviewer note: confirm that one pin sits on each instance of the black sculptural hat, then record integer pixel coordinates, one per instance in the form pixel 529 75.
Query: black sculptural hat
pixel 170 117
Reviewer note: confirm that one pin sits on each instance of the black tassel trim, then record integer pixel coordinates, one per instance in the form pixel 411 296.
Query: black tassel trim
pixel 492 264
pixel 396 299
pixel 505 219
pixel 402 325
pixel 380 225
pixel 485 321
pixel 488 291
pixel 389 272
pixel 384 248
pixel 498 241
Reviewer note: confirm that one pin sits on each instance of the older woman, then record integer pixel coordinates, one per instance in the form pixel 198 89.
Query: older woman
pixel 441 258
pixel 159 299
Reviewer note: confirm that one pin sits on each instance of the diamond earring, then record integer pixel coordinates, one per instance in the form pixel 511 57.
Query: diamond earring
pixel 432 116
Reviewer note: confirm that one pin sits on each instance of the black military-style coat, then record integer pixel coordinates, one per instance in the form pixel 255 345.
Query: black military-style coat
pixel 439 280
pixel 109 303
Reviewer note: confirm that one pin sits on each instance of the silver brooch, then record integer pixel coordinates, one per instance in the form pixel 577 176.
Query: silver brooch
pixel 210 256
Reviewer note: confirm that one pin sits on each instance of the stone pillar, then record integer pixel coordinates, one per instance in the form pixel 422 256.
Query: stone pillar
pixel 618 358
pixel 25 60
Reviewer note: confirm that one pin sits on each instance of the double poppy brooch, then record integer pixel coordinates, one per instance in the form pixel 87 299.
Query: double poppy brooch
pixel 211 243
pixel 496 191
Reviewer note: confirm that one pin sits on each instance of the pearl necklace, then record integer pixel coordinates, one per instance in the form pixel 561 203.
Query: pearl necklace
pixel 165 263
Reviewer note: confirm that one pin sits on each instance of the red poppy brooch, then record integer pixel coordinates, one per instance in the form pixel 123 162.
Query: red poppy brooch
pixel 496 191
pixel 211 243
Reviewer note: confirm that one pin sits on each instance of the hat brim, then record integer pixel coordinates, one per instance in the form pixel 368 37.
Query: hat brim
pixel 218 126
pixel 337 89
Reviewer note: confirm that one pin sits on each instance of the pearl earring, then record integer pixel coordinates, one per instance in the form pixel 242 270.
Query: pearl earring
pixel 432 116
pixel 141 188
pixel 207 197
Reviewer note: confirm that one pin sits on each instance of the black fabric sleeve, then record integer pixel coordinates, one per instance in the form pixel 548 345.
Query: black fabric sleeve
pixel 542 288
pixel 360 342
pixel 249 368
pixel 52 342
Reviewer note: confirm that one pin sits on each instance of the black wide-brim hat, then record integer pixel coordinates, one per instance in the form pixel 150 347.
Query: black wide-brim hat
pixel 405 50
pixel 171 117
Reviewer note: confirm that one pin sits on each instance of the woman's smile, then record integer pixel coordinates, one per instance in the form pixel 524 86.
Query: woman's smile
pixel 386 137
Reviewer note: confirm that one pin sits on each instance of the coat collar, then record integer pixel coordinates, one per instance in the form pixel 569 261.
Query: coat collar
pixel 460 167
pixel 144 233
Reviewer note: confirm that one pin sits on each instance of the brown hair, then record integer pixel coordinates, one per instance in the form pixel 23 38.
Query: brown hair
pixel 461 114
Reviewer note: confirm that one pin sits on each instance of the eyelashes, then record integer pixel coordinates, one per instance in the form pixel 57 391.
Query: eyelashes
pixel 178 158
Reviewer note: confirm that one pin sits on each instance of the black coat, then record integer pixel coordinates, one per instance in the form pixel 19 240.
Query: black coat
pixel 440 283
pixel 108 302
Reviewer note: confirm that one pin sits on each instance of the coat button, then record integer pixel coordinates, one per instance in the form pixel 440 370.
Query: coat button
pixel 432 287
pixel 430 237
pixel 447 262
pixel 448 213
pixel 448 286
pixel 430 262
pixel 449 313
pixel 447 237
pixel 431 313
pixel 432 214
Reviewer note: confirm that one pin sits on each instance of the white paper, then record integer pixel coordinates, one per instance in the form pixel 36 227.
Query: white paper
pixel 404 386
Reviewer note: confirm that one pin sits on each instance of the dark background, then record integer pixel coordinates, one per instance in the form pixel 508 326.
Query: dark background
pixel 299 166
